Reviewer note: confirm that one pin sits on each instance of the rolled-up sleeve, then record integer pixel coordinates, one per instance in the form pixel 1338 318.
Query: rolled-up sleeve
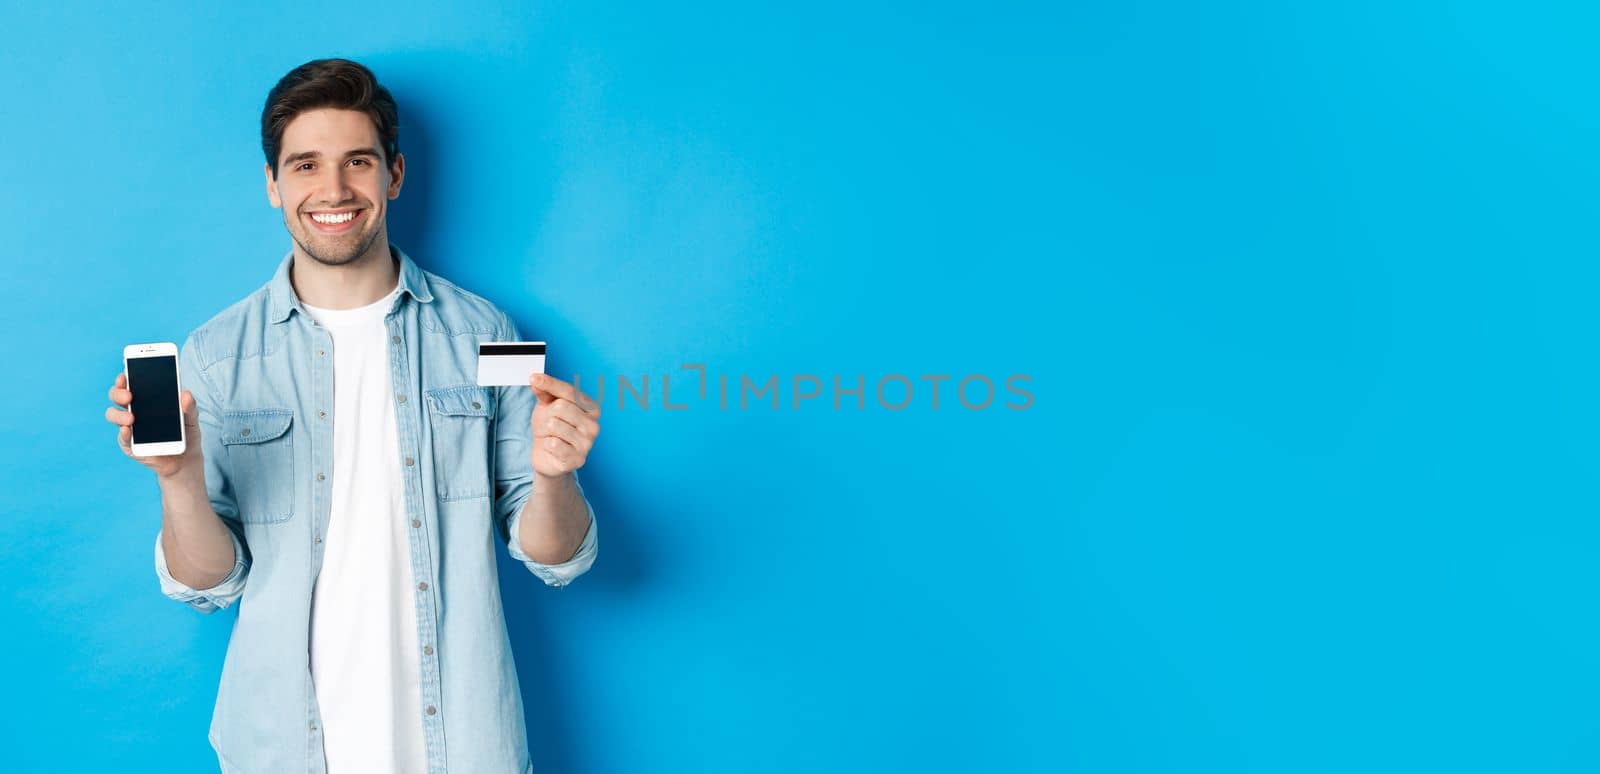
pixel 218 490
pixel 514 479
pixel 205 600
pixel 557 575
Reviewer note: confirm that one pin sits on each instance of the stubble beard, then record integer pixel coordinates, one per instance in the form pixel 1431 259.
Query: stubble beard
pixel 339 258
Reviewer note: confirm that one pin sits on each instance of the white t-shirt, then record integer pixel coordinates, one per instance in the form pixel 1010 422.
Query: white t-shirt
pixel 364 659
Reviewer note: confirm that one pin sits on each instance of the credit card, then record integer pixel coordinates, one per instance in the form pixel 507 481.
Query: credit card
pixel 509 363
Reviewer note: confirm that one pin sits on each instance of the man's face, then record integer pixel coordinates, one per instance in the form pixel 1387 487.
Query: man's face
pixel 332 184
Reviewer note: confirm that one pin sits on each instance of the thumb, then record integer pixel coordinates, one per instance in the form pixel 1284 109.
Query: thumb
pixel 191 411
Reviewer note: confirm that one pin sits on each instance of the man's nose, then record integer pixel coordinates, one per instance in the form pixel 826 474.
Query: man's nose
pixel 335 188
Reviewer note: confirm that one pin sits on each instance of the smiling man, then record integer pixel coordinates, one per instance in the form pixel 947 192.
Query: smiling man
pixel 346 478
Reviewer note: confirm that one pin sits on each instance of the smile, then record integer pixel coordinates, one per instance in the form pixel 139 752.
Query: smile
pixel 333 222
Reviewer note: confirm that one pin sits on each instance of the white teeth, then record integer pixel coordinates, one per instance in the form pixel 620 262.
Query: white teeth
pixel 333 220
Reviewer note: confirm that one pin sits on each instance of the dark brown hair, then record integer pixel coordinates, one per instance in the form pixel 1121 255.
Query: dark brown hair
pixel 328 83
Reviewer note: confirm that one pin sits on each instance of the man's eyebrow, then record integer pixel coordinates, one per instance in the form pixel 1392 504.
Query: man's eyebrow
pixel 304 155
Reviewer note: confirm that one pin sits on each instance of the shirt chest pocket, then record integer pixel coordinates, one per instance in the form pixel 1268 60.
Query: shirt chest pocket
pixel 260 463
pixel 460 417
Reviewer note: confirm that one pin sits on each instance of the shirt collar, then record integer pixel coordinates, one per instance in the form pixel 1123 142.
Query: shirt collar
pixel 281 298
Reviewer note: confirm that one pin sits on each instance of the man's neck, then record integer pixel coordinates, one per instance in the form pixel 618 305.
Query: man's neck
pixel 353 285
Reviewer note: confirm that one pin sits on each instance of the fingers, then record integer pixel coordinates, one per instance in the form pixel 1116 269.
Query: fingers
pixel 564 418
pixel 186 404
pixel 121 417
pixel 579 436
pixel 119 393
pixel 565 424
pixel 570 457
pixel 118 416
pixel 568 412
pixel 548 388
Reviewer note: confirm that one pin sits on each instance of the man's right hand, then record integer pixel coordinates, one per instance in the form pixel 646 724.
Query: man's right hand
pixel 190 463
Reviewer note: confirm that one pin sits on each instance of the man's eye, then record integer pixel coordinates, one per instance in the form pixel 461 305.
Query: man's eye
pixel 303 167
pixel 358 161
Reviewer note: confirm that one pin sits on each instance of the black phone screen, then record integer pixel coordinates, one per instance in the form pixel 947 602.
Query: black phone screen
pixel 154 383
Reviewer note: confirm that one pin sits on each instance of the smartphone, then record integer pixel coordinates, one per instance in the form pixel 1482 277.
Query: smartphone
pixel 152 371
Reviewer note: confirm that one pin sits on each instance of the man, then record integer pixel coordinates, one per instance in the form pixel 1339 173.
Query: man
pixel 345 476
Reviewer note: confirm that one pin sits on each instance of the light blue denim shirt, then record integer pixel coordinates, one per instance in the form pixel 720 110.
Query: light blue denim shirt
pixel 261 372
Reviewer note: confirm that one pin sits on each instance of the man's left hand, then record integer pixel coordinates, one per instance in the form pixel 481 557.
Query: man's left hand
pixel 565 424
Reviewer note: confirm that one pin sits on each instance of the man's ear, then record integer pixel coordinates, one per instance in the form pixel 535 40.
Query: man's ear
pixel 397 175
pixel 272 187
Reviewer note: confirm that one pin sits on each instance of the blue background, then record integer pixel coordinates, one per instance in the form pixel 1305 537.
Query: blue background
pixel 1306 296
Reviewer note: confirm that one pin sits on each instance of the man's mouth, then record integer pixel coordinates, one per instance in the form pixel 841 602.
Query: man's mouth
pixel 334 221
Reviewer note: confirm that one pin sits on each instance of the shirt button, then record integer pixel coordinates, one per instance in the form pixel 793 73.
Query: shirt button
pixel 416 523
pixel 402 397
pixel 427 650
pixel 319 353
pixel 423 586
pixel 475 405
pixel 319 538
pixel 431 710
pixel 320 477
pixel 313 726
pixel 395 339
pixel 244 432
pixel 322 415
pixel 409 462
